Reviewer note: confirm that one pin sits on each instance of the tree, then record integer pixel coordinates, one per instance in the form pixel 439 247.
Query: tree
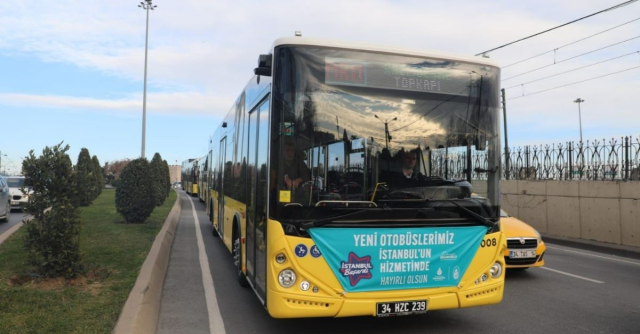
pixel 157 171
pixel 167 177
pixel 84 179
pixel 135 195
pixel 52 238
pixel 115 168
pixel 97 176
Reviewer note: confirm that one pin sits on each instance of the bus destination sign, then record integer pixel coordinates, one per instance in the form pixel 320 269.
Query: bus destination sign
pixel 345 72
pixel 408 77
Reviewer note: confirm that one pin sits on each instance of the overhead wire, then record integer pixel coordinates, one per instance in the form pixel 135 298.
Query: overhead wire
pixel 572 70
pixel 574 42
pixel 573 83
pixel 562 25
pixel 574 57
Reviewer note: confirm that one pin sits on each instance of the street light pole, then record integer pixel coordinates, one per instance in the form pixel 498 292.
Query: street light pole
pixel 146 5
pixel 578 101
pixel 386 129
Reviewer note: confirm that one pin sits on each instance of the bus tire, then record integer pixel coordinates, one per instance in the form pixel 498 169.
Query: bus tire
pixel 237 257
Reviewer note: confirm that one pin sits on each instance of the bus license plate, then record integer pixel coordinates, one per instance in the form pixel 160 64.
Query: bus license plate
pixel 393 309
pixel 522 254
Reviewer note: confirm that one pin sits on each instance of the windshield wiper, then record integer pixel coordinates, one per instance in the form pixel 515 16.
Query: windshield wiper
pixel 322 222
pixel 481 218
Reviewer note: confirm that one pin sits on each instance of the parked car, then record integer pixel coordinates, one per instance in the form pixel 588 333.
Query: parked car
pixel 525 248
pixel 16 184
pixel 5 201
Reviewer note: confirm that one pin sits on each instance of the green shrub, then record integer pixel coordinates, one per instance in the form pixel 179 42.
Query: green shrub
pixel 84 179
pixel 167 177
pixel 135 196
pixel 52 237
pixel 157 171
pixel 98 177
pixel 115 183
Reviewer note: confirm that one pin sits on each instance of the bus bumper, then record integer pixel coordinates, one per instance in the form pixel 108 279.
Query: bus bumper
pixel 293 305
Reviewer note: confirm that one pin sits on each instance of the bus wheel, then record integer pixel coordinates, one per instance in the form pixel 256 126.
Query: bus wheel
pixel 237 260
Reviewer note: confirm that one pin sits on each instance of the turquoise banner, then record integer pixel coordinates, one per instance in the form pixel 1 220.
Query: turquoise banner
pixel 367 259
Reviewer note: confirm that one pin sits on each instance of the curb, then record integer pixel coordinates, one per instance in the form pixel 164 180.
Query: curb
pixel 141 311
pixel 592 245
pixel 4 236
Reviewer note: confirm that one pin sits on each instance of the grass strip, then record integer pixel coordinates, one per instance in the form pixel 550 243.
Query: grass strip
pixel 113 253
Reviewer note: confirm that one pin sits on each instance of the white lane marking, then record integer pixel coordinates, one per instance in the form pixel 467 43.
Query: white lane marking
pixel 572 275
pixel 593 255
pixel 216 325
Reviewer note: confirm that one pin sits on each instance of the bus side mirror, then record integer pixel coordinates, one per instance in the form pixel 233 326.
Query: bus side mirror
pixel 264 65
pixel 264 71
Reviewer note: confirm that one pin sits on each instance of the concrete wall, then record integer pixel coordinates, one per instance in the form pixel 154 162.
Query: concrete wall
pixel 599 210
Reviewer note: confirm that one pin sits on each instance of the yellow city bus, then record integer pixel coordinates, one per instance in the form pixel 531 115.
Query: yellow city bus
pixel 189 179
pixel 202 177
pixel 333 183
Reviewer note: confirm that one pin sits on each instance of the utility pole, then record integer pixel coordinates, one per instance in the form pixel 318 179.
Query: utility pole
pixel 146 5
pixel 578 101
pixel 386 129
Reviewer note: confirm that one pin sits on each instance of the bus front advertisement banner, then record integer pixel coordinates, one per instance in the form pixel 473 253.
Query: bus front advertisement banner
pixel 398 258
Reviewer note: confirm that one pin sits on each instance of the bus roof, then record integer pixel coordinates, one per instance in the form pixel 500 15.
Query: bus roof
pixel 380 48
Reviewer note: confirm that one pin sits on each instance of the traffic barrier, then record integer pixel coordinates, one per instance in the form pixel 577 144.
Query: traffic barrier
pixel 142 309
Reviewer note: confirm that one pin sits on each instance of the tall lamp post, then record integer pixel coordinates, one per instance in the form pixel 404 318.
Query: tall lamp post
pixel 578 101
pixel 146 5
pixel 386 129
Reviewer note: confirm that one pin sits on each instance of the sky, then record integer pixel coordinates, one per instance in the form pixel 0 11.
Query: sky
pixel 73 71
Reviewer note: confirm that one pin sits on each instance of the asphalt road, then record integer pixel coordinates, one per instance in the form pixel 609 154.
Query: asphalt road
pixel 16 217
pixel 578 291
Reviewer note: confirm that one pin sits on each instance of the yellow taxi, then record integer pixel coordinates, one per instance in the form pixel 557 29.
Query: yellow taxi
pixel 525 248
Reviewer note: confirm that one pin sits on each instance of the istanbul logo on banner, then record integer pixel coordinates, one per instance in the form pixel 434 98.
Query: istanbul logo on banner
pixel 356 268
pixel 398 258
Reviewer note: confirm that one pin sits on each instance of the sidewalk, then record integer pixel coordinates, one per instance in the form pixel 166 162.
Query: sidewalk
pixel 596 246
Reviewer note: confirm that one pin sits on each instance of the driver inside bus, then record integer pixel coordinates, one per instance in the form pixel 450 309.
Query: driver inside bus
pixel 407 176
pixel 408 162
pixel 295 171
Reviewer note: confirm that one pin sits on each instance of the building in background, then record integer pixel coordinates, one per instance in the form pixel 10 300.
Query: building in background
pixel 175 173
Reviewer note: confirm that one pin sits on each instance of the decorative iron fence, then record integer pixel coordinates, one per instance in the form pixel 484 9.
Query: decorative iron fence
pixel 615 159
pixel 612 160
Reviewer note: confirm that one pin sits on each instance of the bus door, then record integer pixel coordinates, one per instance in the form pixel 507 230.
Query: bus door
pixel 257 176
pixel 221 173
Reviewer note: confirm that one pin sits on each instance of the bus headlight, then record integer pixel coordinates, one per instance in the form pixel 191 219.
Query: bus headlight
pixel 287 278
pixel 280 258
pixel 496 270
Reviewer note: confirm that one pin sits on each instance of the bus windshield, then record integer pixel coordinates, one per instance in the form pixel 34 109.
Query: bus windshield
pixel 362 131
